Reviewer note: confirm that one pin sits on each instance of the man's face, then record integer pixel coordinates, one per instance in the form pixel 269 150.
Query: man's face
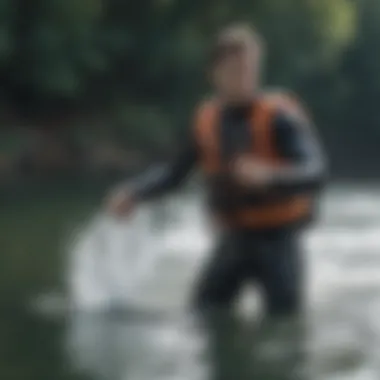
pixel 237 75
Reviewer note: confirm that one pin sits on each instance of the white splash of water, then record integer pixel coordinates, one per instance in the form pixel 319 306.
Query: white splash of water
pixel 109 260
pixel 113 262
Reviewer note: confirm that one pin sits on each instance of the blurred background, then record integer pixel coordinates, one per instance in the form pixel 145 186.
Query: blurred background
pixel 93 91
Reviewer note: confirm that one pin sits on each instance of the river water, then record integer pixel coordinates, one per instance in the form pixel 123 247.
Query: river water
pixel 127 283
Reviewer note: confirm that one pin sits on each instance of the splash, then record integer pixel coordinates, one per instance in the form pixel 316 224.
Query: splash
pixel 136 262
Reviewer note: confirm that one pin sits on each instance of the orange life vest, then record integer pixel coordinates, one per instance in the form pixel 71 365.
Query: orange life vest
pixel 265 106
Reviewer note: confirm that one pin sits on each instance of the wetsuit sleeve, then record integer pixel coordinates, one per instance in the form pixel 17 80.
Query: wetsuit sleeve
pixel 298 145
pixel 161 180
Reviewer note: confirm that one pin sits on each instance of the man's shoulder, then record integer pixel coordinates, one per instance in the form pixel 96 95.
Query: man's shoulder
pixel 285 105
pixel 278 97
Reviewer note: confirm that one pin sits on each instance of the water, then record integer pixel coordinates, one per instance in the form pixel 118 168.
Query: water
pixel 141 262
pixel 144 270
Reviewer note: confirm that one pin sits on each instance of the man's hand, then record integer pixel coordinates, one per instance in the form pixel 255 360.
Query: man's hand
pixel 120 202
pixel 249 171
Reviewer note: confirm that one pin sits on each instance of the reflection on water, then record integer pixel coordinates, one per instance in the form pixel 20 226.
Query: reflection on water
pixel 148 267
pixel 110 348
pixel 219 348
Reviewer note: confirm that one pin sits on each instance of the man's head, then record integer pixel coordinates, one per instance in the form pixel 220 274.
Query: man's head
pixel 235 62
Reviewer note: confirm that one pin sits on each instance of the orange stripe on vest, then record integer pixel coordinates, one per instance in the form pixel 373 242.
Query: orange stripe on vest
pixel 207 135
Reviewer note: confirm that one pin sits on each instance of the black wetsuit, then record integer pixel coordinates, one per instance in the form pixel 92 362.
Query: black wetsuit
pixel 271 256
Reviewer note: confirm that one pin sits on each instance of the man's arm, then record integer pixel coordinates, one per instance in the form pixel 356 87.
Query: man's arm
pixel 160 180
pixel 298 145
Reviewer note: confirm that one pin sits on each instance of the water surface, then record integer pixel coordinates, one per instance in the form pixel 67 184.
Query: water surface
pixel 60 253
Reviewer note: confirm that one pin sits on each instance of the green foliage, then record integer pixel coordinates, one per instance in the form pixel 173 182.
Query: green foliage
pixel 69 45
pixel 132 60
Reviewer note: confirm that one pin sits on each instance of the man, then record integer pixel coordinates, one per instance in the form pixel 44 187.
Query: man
pixel 263 166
